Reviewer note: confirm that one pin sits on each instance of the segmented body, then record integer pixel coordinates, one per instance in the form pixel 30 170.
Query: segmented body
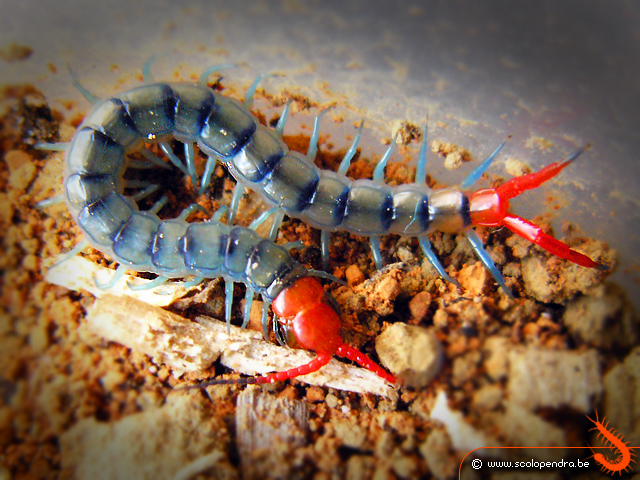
pixel 257 157
pixel 112 222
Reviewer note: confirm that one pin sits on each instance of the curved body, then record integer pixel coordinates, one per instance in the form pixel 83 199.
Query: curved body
pixel 141 241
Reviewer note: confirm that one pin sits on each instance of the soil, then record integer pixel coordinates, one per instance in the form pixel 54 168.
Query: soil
pixel 74 404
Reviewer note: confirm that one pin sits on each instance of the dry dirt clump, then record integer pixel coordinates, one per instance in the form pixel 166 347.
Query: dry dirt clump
pixel 81 398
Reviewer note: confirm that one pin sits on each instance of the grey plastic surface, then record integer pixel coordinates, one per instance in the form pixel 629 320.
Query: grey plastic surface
pixel 554 74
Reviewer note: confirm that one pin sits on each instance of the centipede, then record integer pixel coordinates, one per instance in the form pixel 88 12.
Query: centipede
pixel 225 130
pixel 614 442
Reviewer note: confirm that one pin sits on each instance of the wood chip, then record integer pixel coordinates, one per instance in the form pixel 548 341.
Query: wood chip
pixel 268 430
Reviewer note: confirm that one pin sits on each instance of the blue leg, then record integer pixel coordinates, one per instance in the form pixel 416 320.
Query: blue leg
pixel 480 169
pixel 82 244
pixel 153 160
pixel 216 68
pixel 146 70
pixel 375 249
pixel 421 170
pixel 116 277
pixel 278 216
pixel 248 300
pixel 189 156
pixel 219 213
pixel 283 119
pixel 145 193
pixel 159 205
pixel 52 147
pixel 378 173
pixel 251 91
pixel 265 318
pixel 85 93
pixel 166 148
pixel 428 252
pixel 189 210
pixel 156 282
pixel 49 202
pixel 346 161
pixel 486 260
pixel 235 202
pixel 228 303
pixel 313 143
pixel 262 218
pixel 298 244
pixel 208 171
pixel 192 283
pixel 325 239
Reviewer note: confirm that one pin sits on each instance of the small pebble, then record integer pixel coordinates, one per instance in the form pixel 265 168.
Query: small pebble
pixel 419 305
pixel 412 353
pixel 354 275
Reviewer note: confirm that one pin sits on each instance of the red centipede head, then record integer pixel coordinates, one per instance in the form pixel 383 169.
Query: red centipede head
pixel 490 208
pixel 311 323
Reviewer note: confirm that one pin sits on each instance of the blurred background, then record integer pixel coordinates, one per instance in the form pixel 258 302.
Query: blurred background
pixel 554 74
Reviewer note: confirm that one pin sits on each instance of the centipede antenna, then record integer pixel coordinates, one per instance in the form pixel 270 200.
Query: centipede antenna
pixel 248 301
pixel 364 361
pixel 119 273
pixel 327 276
pixel 52 147
pixel 421 169
pixel 315 135
pixel 189 210
pixel 485 258
pixel 156 282
pixel 82 244
pixel 480 169
pixel 251 91
pixel 145 193
pixel 374 242
pixel 216 68
pixel 153 159
pixel 298 244
pixel 146 70
pixel 265 318
pixel 91 98
pixel 219 213
pixel 228 303
pixel 235 202
pixel 346 161
pixel 283 119
pixel 262 218
pixel 278 216
pixel 189 155
pixel 49 202
pixel 206 176
pixel 425 244
pixel 166 148
pixel 378 173
pixel 325 240
pixel 159 205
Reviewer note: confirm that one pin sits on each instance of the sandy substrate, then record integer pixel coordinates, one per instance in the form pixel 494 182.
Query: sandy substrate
pixel 96 387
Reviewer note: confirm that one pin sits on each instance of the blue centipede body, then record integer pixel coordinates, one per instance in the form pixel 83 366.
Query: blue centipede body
pixel 141 240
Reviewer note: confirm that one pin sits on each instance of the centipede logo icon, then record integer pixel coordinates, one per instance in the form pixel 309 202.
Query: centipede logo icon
pixel 615 442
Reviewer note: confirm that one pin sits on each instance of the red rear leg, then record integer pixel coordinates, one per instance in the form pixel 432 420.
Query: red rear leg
pixel 516 186
pixel 534 233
